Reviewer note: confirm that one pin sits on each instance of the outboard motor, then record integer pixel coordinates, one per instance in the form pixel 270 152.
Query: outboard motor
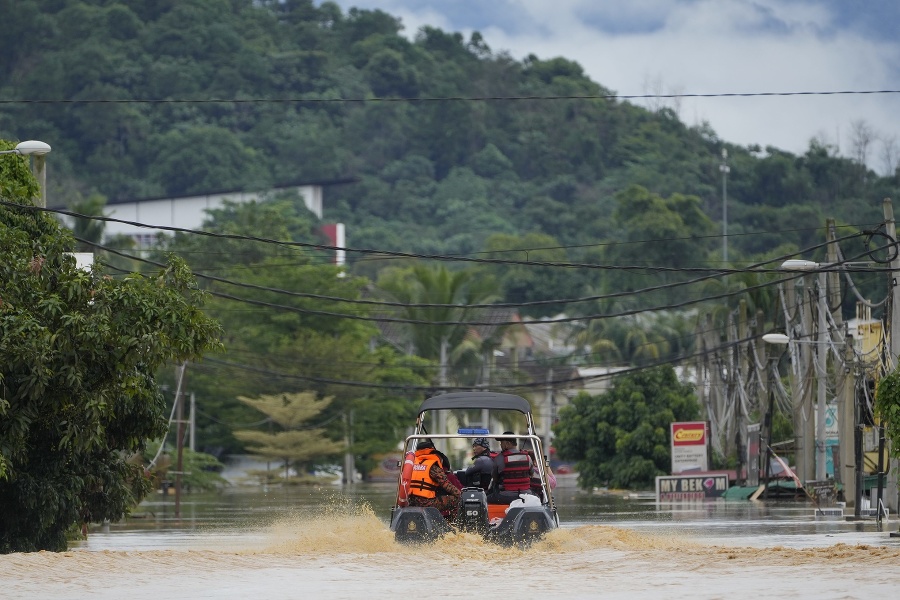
pixel 417 525
pixel 473 510
pixel 523 526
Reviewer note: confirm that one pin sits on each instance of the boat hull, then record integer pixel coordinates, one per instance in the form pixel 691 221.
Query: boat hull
pixel 519 526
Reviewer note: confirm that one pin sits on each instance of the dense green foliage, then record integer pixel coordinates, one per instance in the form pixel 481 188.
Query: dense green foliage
pixel 621 438
pixel 78 355
pixel 243 94
pixel 150 98
pixel 887 407
pixel 302 341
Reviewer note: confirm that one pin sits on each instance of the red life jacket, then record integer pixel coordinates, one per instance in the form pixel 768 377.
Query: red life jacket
pixel 516 473
pixel 535 478
pixel 421 484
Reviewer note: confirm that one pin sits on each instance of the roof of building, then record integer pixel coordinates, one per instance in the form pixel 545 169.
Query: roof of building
pixel 276 187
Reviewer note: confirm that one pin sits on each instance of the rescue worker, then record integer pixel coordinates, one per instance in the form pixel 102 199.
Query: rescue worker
pixel 429 485
pixel 478 474
pixel 512 472
pixel 527 446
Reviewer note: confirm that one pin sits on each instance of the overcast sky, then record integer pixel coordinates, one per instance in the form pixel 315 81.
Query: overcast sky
pixel 635 47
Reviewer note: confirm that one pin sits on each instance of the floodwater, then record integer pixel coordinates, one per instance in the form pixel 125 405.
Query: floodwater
pixel 334 542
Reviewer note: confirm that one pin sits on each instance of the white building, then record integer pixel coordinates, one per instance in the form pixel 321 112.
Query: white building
pixel 189 212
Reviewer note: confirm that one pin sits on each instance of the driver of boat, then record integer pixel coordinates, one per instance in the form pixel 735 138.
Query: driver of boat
pixel 478 474
pixel 429 485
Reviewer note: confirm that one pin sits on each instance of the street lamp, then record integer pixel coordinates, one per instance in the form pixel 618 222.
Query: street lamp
pixel 775 338
pixel 38 150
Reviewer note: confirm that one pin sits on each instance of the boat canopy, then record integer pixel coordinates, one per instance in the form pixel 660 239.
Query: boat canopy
pixel 472 400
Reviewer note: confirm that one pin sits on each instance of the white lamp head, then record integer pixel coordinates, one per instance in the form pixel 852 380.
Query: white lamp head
pixel 32 147
pixel 795 264
pixel 776 338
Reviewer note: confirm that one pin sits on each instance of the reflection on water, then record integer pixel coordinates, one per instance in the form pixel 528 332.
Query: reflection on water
pixel 333 543
pixel 245 513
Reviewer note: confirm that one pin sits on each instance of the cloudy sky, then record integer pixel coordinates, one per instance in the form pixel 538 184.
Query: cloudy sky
pixel 636 47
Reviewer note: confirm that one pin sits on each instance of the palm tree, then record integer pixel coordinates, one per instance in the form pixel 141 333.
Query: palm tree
pixel 439 300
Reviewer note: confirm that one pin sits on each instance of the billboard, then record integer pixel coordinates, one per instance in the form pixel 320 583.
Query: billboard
pixel 685 487
pixel 689 447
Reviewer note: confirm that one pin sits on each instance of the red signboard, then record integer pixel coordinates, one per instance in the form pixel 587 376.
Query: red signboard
pixel 689 447
pixel 689 434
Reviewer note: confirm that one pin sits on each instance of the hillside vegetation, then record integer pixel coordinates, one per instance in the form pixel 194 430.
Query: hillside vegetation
pixel 446 147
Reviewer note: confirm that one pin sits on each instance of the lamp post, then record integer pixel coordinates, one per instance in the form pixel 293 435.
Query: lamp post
pixel 725 169
pixel 806 265
pixel 38 150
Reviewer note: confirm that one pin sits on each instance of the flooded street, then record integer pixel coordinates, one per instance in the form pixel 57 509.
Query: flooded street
pixel 328 543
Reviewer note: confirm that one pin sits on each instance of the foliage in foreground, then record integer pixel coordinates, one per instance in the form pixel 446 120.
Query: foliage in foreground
pixel 621 438
pixel 887 406
pixel 78 397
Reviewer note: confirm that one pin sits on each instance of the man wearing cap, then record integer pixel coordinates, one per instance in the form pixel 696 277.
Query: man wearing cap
pixel 479 472
pixel 512 471
pixel 429 485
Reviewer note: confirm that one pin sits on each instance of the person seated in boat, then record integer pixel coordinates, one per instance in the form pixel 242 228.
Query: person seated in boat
pixel 451 475
pixel 512 472
pixel 478 474
pixel 429 485
pixel 527 446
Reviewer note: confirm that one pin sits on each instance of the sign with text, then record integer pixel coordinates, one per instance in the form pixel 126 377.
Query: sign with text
pixel 689 442
pixel 690 487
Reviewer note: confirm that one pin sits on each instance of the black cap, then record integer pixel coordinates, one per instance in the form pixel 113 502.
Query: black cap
pixel 426 443
pixel 507 439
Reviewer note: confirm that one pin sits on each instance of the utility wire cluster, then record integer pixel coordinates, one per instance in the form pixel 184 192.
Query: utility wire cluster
pixel 705 274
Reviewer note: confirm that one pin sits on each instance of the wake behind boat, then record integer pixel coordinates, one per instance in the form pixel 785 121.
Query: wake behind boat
pixel 507 509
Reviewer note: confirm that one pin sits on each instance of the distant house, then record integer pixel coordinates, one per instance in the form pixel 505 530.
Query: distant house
pixel 148 216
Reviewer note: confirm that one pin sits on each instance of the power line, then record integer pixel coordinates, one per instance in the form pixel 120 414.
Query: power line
pixel 433 99
pixel 494 386
pixel 436 257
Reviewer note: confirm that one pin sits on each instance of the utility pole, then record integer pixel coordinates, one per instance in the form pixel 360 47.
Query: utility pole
pixel 349 461
pixel 725 169
pixel 821 372
pixel 844 466
pixel 891 230
pixel 179 438
pixel 442 414
pixel 193 419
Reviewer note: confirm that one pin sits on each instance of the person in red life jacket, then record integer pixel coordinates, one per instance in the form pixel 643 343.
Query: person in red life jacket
pixel 478 474
pixel 512 472
pixel 527 447
pixel 429 485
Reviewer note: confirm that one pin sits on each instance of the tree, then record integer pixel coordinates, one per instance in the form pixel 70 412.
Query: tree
pixel 443 324
pixel 887 406
pixel 295 443
pixel 89 230
pixel 621 438
pixel 78 394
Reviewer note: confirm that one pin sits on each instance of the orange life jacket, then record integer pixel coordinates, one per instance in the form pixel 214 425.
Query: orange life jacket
pixel 421 484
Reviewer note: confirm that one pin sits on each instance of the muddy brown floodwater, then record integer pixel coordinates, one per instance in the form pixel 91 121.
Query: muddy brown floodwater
pixel 345 550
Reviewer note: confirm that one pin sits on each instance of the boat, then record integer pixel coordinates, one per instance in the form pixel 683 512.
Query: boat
pixel 517 523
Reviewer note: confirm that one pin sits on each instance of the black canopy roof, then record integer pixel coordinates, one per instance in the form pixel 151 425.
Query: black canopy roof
pixel 465 400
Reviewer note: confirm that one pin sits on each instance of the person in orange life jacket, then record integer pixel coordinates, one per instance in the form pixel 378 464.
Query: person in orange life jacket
pixel 527 447
pixel 479 473
pixel 451 477
pixel 429 485
pixel 512 472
